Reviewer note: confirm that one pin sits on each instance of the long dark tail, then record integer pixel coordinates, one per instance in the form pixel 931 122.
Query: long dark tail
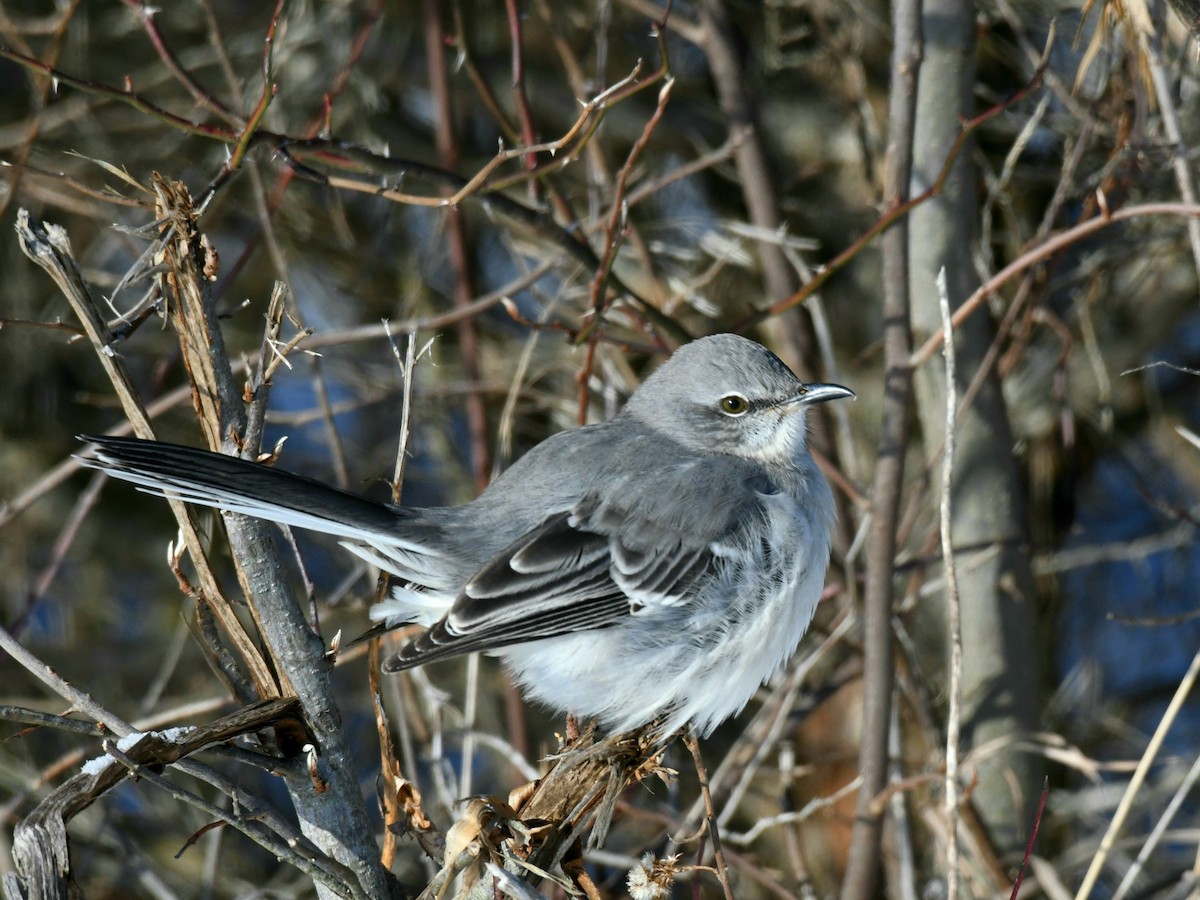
pixel 228 483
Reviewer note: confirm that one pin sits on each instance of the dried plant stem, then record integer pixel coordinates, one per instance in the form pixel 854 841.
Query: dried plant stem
pixel 953 619
pixel 1160 828
pixel 50 247
pixel 1164 92
pixel 1139 777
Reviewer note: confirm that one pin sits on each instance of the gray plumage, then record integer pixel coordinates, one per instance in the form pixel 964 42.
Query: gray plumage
pixel 659 566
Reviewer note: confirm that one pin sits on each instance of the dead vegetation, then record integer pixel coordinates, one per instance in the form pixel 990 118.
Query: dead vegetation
pixel 415 239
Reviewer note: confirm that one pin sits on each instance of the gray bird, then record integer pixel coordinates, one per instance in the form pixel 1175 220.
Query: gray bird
pixel 657 567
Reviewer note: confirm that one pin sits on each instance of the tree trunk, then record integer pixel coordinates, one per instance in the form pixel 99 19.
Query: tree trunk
pixel 1000 681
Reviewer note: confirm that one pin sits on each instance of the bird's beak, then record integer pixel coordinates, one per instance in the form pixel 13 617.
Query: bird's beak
pixel 819 393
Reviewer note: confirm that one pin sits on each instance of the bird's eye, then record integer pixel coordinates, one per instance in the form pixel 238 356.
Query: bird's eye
pixel 734 405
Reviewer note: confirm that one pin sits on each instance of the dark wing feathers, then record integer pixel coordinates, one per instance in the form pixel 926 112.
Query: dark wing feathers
pixel 553 546
pixel 439 642
pixel 589 567
pixel 554 580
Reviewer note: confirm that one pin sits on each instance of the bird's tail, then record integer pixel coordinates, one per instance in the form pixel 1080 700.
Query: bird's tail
pixel 237 485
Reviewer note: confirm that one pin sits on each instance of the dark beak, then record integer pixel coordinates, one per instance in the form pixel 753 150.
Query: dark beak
pixel 819 393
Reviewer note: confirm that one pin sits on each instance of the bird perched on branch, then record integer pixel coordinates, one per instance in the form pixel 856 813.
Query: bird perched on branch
pixel 656 568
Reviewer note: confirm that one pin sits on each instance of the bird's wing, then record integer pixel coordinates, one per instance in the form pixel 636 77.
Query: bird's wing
pixel 589 567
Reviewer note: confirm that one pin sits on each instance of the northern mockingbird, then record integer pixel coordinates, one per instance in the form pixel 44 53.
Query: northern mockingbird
pixel 659 566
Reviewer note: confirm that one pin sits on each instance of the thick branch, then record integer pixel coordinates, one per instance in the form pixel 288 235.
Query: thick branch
pixel 889 468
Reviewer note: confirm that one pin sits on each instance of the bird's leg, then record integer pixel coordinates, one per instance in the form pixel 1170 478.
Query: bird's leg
pixel 690 741
pixel 572 728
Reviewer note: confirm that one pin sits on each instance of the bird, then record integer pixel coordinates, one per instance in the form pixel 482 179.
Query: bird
pixel 651 570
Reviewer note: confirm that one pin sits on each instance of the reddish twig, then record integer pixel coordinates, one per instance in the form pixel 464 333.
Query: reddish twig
pixel 184 77
pixel 126 95
pixel 1037 821
pixel 524 115
pixel 1043 251
pixel 617 214
pixel 320 120
pixel 268 94
pixel 894 214
pixel 34 128
pixel 612 240
pixel 458 248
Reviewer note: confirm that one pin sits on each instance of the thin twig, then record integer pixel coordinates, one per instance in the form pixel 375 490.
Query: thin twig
pixel 528 136
pixel 1139 776
pixel 898 212
pixel 903 869
pixel 745 838
pixel 36 123
pixel 125 95
pixel 458 246
pixel 79 700
pixel 182 75
pixel 561 151
pixel 1033 833
pixel 953 621
pixel 690 741
pixel 1159 830
pixel 66 538
pixel 1151 45
pixel 1043 251
pixel 617 215
pixel 252 818
pixel 407 370
pixel 783 702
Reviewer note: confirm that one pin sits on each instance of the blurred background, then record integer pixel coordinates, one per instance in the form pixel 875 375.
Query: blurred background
pixel 765 164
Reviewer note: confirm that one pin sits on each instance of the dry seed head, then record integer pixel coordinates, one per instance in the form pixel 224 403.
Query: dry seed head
pixel 651 879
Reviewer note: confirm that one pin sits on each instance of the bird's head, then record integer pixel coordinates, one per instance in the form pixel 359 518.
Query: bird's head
pixel 727 394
